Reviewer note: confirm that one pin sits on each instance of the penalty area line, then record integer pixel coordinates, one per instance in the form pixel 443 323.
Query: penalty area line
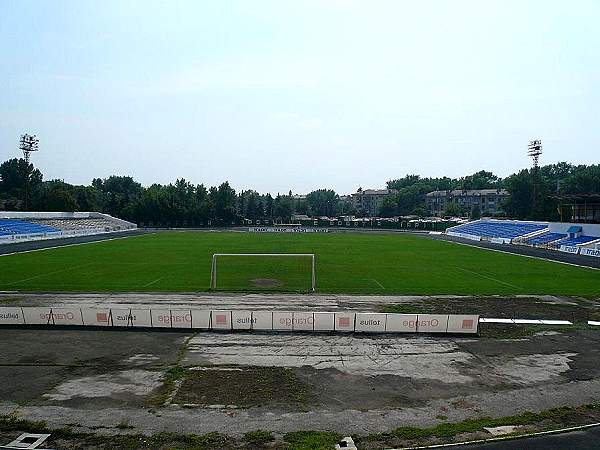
pixel 49 273
pixel 153 282
pixel 488 277
pixel 377 283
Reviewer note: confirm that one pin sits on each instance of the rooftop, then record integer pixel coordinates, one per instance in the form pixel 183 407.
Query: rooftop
pixel 467 192
pixel 374 192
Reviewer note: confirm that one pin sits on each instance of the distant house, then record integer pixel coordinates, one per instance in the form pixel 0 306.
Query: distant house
pixel 370 200
pixel 298 197
pixel 488 200
pixel 300 218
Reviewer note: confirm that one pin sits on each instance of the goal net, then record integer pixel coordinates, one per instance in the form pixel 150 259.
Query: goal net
pixel 292 272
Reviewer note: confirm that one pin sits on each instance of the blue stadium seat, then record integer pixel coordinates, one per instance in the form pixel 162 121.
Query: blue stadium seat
pixel 576 240
pixel 12 226
pixel 542 239
pixel 500 229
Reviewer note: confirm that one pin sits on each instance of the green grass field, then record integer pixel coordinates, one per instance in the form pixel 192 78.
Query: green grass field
pixel 346 263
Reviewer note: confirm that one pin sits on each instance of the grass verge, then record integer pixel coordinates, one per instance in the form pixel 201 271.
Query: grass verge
pixel 174 374
pixel 551 419
pixel 311 440
pixel 258 437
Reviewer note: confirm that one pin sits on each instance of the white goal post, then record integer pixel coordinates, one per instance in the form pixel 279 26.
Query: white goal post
pixel 213 270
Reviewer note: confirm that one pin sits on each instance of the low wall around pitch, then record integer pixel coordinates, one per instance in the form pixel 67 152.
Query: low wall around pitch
pixel 233 320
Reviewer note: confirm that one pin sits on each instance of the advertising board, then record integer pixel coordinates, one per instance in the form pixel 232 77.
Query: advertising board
pixel 432 323
pixel 370 322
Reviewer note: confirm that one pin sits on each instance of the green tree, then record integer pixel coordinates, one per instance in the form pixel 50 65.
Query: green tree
pixel 283 208
pixel 389 206
pixel 400 183
pixel 583 180
pixel 14 174
pixel 201 209
pixel 121 194
pixel 453 210
pixel 269 206
pixel 406 201
pixel 520 187
pixel 223 198
pixel 250 205
pixel 480 180
pixel 323 202
pixel 302 207
pixel 88 198
pixel 252 211
pixel 56 195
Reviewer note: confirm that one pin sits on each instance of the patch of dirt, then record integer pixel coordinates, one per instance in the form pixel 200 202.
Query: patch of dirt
pixel 463 404
pixel 576 310
pixel 333 390
pixel 242 387
pixel 503 307
pixel 7 300
pixel 266 282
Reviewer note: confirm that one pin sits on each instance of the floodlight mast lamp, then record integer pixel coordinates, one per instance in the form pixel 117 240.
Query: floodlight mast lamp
pixel 534 150
pixel 28 143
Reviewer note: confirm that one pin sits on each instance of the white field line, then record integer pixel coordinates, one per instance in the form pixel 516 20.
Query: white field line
pixel 153 282
pixel 488 277
pixel 556 322
pixel 524 256
pixel 525 321
pixel 71 245
pixel 48 273
pixel 495 320
pixel 377 283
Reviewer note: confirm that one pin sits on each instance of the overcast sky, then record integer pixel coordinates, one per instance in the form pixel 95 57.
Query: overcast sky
pixel 279 95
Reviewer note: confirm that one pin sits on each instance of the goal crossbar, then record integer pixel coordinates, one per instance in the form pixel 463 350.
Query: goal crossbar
pixel 213 269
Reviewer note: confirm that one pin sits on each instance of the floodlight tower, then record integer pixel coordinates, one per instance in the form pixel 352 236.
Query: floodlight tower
pixel 28 144
pixel 534 150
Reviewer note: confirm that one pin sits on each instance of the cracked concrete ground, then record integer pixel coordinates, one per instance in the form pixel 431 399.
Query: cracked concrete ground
pixel 374 372
pixel 355 355
pixel 83 369
pixel 353 384
pixel 497 306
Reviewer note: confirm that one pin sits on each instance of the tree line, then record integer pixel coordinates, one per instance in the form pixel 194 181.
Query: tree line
pixel 176 204
pixel 186 204
pixel 534 194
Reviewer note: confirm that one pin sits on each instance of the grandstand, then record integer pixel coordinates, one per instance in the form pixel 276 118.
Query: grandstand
pixel 546 238
pixel 67 224
pixel 491 229
pixel 27 226
pixel 577 240
pixel 555 236
pixel 10 226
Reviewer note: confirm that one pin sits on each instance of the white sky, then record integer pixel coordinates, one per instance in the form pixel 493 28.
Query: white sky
pixel 300 95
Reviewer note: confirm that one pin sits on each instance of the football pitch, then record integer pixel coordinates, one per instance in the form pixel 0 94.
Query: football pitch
pixel 390 263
